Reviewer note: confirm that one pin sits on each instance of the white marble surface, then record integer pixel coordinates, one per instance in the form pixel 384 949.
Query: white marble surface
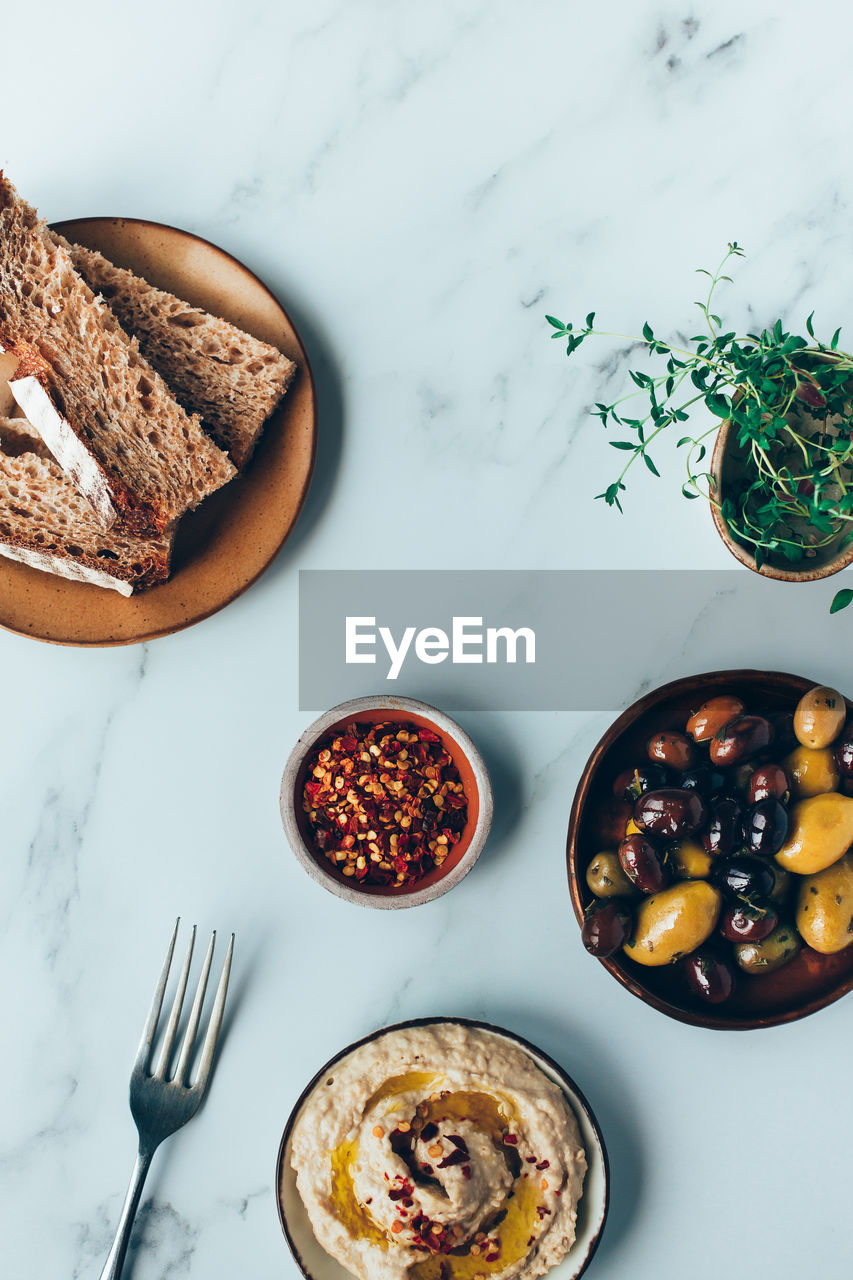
pixel 419 184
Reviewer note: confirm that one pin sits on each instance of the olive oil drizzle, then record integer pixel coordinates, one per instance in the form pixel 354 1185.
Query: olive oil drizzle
pixel 517 1223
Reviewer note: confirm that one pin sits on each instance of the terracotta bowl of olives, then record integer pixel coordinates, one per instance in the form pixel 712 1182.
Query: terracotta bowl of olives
pixel 710 849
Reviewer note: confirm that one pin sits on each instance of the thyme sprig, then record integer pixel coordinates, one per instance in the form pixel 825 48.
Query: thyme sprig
pixel 789 399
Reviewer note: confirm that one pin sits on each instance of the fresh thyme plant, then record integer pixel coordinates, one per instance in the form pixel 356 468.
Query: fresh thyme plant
pixel 789 400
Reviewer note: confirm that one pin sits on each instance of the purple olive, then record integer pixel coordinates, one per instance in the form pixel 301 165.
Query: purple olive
pixel 742 922
pixel 723 834
pixel 784 738
pixel 769 781
pixel 643 864
pixel 765 827
pixel 741 739
pixel 709 976
pixel 670 812
pixel 606 927
pixel 745 877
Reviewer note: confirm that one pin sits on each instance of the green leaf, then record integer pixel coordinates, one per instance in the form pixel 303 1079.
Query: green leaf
pixel 590 320
pixel 622 444
pixel 555 323
pixel 841 600
pixel 688 493
pixel 651 466
pixel 720 406
pixel 809 329
pixel 647 332
pixel 833 346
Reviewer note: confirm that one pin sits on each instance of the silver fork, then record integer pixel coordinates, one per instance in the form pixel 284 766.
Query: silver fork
pixel 160 1103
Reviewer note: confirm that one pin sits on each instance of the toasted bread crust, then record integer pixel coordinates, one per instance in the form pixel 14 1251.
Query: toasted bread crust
pixel 46 523
pixel 125 439
pixel 232 380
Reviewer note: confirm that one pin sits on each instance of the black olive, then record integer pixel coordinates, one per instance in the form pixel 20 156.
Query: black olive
pixel 765 826
pixel 723 835
pixel 744 876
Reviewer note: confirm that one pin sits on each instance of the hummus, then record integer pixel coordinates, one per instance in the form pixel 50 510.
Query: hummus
pixel 440 1152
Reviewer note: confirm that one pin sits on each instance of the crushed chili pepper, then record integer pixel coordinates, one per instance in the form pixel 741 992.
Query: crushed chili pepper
pixel 384 802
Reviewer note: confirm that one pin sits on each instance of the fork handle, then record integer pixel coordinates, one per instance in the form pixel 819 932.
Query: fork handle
pixel 115 1261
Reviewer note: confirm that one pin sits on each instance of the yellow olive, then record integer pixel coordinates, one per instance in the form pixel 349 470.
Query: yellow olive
pixel 825 908
pixel 674 922
pixel 770 953
pixel 819 717
pixel 812 771
pixel 821 831
pixel 690 860
pixel 606 879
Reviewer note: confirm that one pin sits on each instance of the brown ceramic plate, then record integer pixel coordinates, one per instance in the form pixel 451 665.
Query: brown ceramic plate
pixel 316 1264
pixel 224 546
pixel 807 983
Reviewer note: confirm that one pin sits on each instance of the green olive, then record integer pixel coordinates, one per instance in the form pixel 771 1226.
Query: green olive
pixel 820 832
pixel 825 908
pixel 771 953
pixel 606 879
pixel 674 922
pixel 690 861
pixel 812 771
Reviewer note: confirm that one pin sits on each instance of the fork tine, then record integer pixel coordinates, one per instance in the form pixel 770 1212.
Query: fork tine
pixel 143 1053
pixel 210 1039
pixel 183 1068
pixel 174 1016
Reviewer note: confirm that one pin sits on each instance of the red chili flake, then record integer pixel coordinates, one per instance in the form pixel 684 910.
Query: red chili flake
pixel 530 1159
pixel 466 1172
pixel 543 1164
pixel 384 803
pixel 429 1131
pixel 530 1241
pixel 455 1157
pixel 510 1139
pixel 458 1142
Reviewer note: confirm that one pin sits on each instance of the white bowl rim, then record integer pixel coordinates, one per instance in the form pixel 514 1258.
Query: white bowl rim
pixel 443 724
pixel 570 1087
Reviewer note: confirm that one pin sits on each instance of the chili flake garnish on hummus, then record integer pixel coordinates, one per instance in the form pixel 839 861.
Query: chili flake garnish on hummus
pixel 440 1152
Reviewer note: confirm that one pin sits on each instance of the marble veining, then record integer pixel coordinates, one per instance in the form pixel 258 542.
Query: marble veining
pixel 420 185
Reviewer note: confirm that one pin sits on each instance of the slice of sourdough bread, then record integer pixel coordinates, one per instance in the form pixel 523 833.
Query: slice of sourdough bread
pixel 46 524
pixel 106 415
pixel 232 380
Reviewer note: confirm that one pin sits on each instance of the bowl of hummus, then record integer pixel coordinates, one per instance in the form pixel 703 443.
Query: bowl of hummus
pixel 442 1149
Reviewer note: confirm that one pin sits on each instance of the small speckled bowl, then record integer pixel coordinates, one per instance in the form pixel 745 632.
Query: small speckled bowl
pixel 472 771
pixel 316 1264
